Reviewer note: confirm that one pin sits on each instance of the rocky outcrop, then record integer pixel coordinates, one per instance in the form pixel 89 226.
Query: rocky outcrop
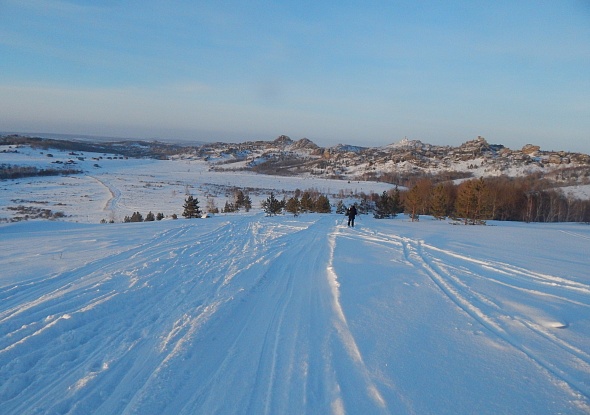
pixel 345 161
pixel 530 149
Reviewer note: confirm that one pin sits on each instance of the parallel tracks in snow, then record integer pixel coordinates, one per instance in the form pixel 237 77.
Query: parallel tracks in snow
pixel 458 277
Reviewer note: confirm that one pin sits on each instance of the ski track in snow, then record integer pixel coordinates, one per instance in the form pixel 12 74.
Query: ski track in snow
pixel 453 273
pixel 88 330
pixel 246 315
pixel 111 204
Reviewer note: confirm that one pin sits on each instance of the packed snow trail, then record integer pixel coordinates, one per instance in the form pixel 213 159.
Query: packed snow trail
pixel 254 315
pixel 173 324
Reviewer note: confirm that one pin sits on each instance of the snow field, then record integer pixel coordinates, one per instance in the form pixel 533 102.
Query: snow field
pixel 120 187
pixel 247 314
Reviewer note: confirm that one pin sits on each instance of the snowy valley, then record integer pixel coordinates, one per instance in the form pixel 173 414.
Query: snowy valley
pixel 248 314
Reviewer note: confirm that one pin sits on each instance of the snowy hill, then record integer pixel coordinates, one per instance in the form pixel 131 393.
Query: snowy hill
pixel 286 157
pixel 247 314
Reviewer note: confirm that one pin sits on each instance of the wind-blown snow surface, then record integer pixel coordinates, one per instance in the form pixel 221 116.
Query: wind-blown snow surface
pixel 248 314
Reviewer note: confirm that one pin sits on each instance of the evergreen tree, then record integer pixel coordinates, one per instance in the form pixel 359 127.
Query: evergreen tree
pixel 365 206
pixel 340 207
pixel 229 207
pixel 381 206
pixel 272 206
pixel 239 199
pixel 136 217
pixel 159 216
pixel 191 208
pixel 150 217
pixel 247 203
pixel 307 204
pixel 396 203
pixel 293 206
pixel 322 204
pixel 386 206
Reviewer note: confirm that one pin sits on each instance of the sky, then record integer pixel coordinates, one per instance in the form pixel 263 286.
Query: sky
pixel 364 73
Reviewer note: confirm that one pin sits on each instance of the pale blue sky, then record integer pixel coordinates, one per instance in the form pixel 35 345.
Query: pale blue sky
pixel 365 73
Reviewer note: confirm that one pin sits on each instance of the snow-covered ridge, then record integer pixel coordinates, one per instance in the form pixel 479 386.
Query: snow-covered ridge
pixel 284 156
pixel 476 158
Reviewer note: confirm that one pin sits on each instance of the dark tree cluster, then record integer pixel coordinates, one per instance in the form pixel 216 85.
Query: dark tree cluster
pixel 272 206
pixel 138 217
pixel 241 201
pixel 18 172
pixel 308 201
pixel 388 205
pixel 191 208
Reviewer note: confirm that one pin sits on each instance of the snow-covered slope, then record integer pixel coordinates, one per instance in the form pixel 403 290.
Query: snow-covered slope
pixel 113 187
pixel 248 314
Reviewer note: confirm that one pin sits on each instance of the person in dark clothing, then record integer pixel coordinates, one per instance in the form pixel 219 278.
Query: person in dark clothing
pixel 351 213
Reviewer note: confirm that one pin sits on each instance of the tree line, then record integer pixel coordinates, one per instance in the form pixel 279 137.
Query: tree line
pixel 472 201
pixel 10 172
pixel 499 198
pixel 307 201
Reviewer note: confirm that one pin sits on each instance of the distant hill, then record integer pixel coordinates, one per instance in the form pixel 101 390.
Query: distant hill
pixel 393 163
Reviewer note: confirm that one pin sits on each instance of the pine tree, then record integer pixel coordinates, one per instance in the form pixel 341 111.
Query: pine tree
pixel 381 210
pixel 386 206
pixel 307 204
pixel 272 206
pixel 293 206
pixel 365 206
pixel 229 207
pixel 247 203
pixel 191 208
pixel 239 199
pixel 150 217
pixel 136 217
pixel 322 204
pixel 396 204
pixel 340 207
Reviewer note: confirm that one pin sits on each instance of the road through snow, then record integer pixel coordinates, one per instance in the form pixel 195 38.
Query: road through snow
pixel 248 314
